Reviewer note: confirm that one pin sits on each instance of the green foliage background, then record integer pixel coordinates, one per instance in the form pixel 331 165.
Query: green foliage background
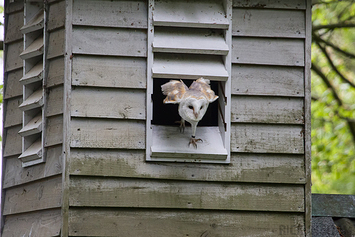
pixel 333 97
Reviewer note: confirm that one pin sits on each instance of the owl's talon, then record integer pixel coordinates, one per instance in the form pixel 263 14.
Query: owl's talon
pixel 182 126
pixel 194 141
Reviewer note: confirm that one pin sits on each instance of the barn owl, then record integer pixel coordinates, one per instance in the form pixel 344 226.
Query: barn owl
pixel 193 102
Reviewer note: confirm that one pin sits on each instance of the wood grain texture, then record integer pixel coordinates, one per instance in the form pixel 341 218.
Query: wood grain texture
pixel 55 74
pixel 108 103
pixel 14 174
pixel 56 15
pixel 267 80
pixel 12 141
pixel 120 72
pixel 14 24
pixel 268 51
pixel 285 4
pixel 110 41
pixel 56 43
pixel 55 101
pixel 12 84
pixel 12 56
pixel 268 23
pixel 34 196
pixel 261 168
pixel 54 131
pixel 257 138
pixel 40 223
pixel 271 110
pixel 144 193
pixel 127 14
pixel 177 223
pixel 13 115
pixel 107 133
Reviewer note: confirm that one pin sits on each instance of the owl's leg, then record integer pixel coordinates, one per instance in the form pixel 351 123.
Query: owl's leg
pixel 182 125
pixel 193 140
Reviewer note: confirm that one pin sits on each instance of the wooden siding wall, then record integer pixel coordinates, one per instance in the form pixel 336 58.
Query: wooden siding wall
pixel 113 190
pixel 32 195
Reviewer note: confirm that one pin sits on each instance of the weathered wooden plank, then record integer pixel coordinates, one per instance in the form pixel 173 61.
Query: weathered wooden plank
pixel 110 192
pixel 35 23
pixel 56 43
pixel 13 115
pixel 108 103
pixel 55 101
pixel 39 223
pixel 107 133
pixel 13 60
pixel 35 196
pixel 127 14
pixel 34 126
pixel 253 109
pixel 109 41
pixel 268 23
pixel 13 6
pixel 257 138
pixel 333 205
pixel 56 15
pixel 12 141
pixel 54 131
pixel 122 72
pixel 36 48
pixel 12 84
pixel 177 223
pixel 263 168
pixel 14 174
pixel 55 74
pixel 285 4
pixel 14 23
pixel 267 80
pixel 35 100
pixel 268 51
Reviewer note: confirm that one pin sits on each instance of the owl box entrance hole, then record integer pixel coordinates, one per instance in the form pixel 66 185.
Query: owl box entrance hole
pixel 167 114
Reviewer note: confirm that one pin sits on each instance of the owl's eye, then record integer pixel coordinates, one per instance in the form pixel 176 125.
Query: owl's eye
pixel 190 107
pixel 201 107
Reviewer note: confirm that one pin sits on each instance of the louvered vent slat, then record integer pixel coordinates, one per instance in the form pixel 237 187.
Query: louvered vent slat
pixel 33 127
pixel 35 49
pixel 33 101
pixel 34 75
pixel 33 152
pixel 35 24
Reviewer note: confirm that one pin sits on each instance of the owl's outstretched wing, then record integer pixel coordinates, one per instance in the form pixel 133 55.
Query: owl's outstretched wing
pixel 203 85
pixel 174 91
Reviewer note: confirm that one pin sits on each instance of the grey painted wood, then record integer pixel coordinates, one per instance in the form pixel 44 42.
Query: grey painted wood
pixel 333 205
pixel 110 41
pixel 14 23
pixel 267 80
pixel 268 51
pixel 56 43
pixel 105 192
pixel 40 223
pixel 268 23
pixel 33 196
pixel 152 223
pixel 261 168
pixel 55 75
pixel 15 175
pixel 107 133
pixel 54 131
pixel 257 138
pixel 108 103
pixel 54 101
pixel 271 110
pixel 12 86
pixel 285 4
pixel 13 115
pixel 15 6
pixel 56 15
pixel 127 14
pixel 12 141
pixel 13 60
pixel 122 72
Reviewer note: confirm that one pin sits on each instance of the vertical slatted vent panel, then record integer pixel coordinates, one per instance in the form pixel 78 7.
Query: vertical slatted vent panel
pixel 33 57
pixel 189 40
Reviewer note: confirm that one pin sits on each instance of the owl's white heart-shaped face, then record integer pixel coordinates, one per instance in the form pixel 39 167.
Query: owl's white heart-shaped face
pixel 192 109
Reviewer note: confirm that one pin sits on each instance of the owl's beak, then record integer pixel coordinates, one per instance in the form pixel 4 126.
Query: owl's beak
pixel 196 115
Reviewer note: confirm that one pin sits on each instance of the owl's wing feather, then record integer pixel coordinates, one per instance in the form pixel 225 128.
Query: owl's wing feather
pixel 203 85
pixel 174 91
